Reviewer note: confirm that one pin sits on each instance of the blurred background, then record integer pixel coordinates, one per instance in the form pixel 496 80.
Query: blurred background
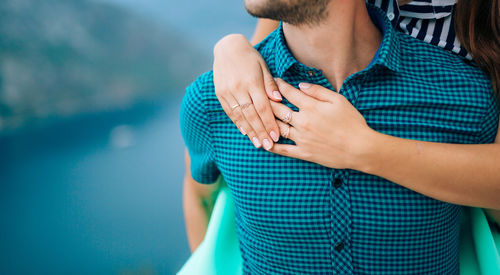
pixel 91 156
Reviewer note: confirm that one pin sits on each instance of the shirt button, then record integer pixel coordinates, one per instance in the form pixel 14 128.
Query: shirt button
pixel 339 246
pixel 311 73
pixel 391 16
pixel 337 183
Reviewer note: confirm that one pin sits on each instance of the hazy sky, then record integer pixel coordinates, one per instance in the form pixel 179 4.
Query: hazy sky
pixel 204 22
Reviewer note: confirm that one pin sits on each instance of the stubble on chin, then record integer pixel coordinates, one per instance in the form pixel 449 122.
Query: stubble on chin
pixel 294 12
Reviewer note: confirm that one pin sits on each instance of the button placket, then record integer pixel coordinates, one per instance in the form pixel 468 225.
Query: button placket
pixel 341 224
pixel 339 246
pixel 337 183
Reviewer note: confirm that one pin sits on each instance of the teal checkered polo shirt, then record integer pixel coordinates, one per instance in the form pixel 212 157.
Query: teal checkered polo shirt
pixel 298 217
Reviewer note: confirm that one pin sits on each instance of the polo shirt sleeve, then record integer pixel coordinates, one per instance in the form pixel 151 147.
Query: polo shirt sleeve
pixel 490 122
pixel 195 129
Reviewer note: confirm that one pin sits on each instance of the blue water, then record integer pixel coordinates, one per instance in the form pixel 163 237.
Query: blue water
pixel 102 193
pixel 86 197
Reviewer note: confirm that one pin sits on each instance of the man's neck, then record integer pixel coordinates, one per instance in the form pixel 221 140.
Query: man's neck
pixel 344 43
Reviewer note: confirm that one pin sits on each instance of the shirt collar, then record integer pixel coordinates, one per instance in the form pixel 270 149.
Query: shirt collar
pixel 388 54
pixel 283 57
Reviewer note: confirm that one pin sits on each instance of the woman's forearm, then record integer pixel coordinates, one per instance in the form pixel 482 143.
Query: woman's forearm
pixel 456 173
pixel 197 201
pixel 195 215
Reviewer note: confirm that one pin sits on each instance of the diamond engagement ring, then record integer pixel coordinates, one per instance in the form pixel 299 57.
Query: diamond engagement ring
pixel 235 106
pixel 288 118
pixel 286 132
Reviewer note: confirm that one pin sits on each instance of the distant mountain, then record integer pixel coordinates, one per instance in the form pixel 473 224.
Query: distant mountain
pixel 59 58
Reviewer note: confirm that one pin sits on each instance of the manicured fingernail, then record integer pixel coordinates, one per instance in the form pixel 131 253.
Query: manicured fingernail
pixel 274 136
pixel 256 142
pixel 304 85
pixel 243 131
pixel 267 144
pixel 277 95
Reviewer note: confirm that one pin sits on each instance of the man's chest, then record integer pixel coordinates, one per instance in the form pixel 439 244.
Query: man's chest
pixel 288 210
pixel 296 213
pixel 283 198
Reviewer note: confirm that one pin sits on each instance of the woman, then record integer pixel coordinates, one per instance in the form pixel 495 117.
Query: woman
pixel 460 174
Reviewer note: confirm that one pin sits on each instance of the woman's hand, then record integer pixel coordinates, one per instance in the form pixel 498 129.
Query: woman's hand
pixel 244 86
pixel 327 129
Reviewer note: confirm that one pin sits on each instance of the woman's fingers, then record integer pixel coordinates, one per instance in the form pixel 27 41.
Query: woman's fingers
pixel 265 115
pixel 233 110
pixel 285 114
pixel 287 150
pixel 241 77
pixel 262 138
pixel 272 90
pixel 316 91
pixel 295 96
pixel 230 114
pixel 287 131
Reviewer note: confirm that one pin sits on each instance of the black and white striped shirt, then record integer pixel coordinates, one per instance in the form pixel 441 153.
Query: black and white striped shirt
pixel 431 21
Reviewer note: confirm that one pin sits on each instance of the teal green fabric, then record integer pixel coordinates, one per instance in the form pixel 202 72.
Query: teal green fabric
pixel 469 264
pixel 479 246
pixel 298 217
pixel 219 252
pixel 487 253
pixel 496 237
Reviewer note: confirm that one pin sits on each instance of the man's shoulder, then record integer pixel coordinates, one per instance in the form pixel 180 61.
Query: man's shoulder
pixel 202 90
pixel 198 96
pixel 428 60
pixel 203 83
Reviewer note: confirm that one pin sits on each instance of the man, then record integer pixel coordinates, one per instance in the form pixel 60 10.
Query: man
pixel 297 217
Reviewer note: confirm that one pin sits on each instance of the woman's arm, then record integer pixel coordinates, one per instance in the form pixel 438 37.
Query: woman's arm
pixel 455 173
pixel 197 201
pixel 263 29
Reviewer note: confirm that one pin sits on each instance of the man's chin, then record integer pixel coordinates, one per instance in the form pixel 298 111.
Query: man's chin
pixel 260 8
pixel 294 12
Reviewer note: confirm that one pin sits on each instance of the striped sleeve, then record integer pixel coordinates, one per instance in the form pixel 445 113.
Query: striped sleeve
pixel 431 21
pixel 195 129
